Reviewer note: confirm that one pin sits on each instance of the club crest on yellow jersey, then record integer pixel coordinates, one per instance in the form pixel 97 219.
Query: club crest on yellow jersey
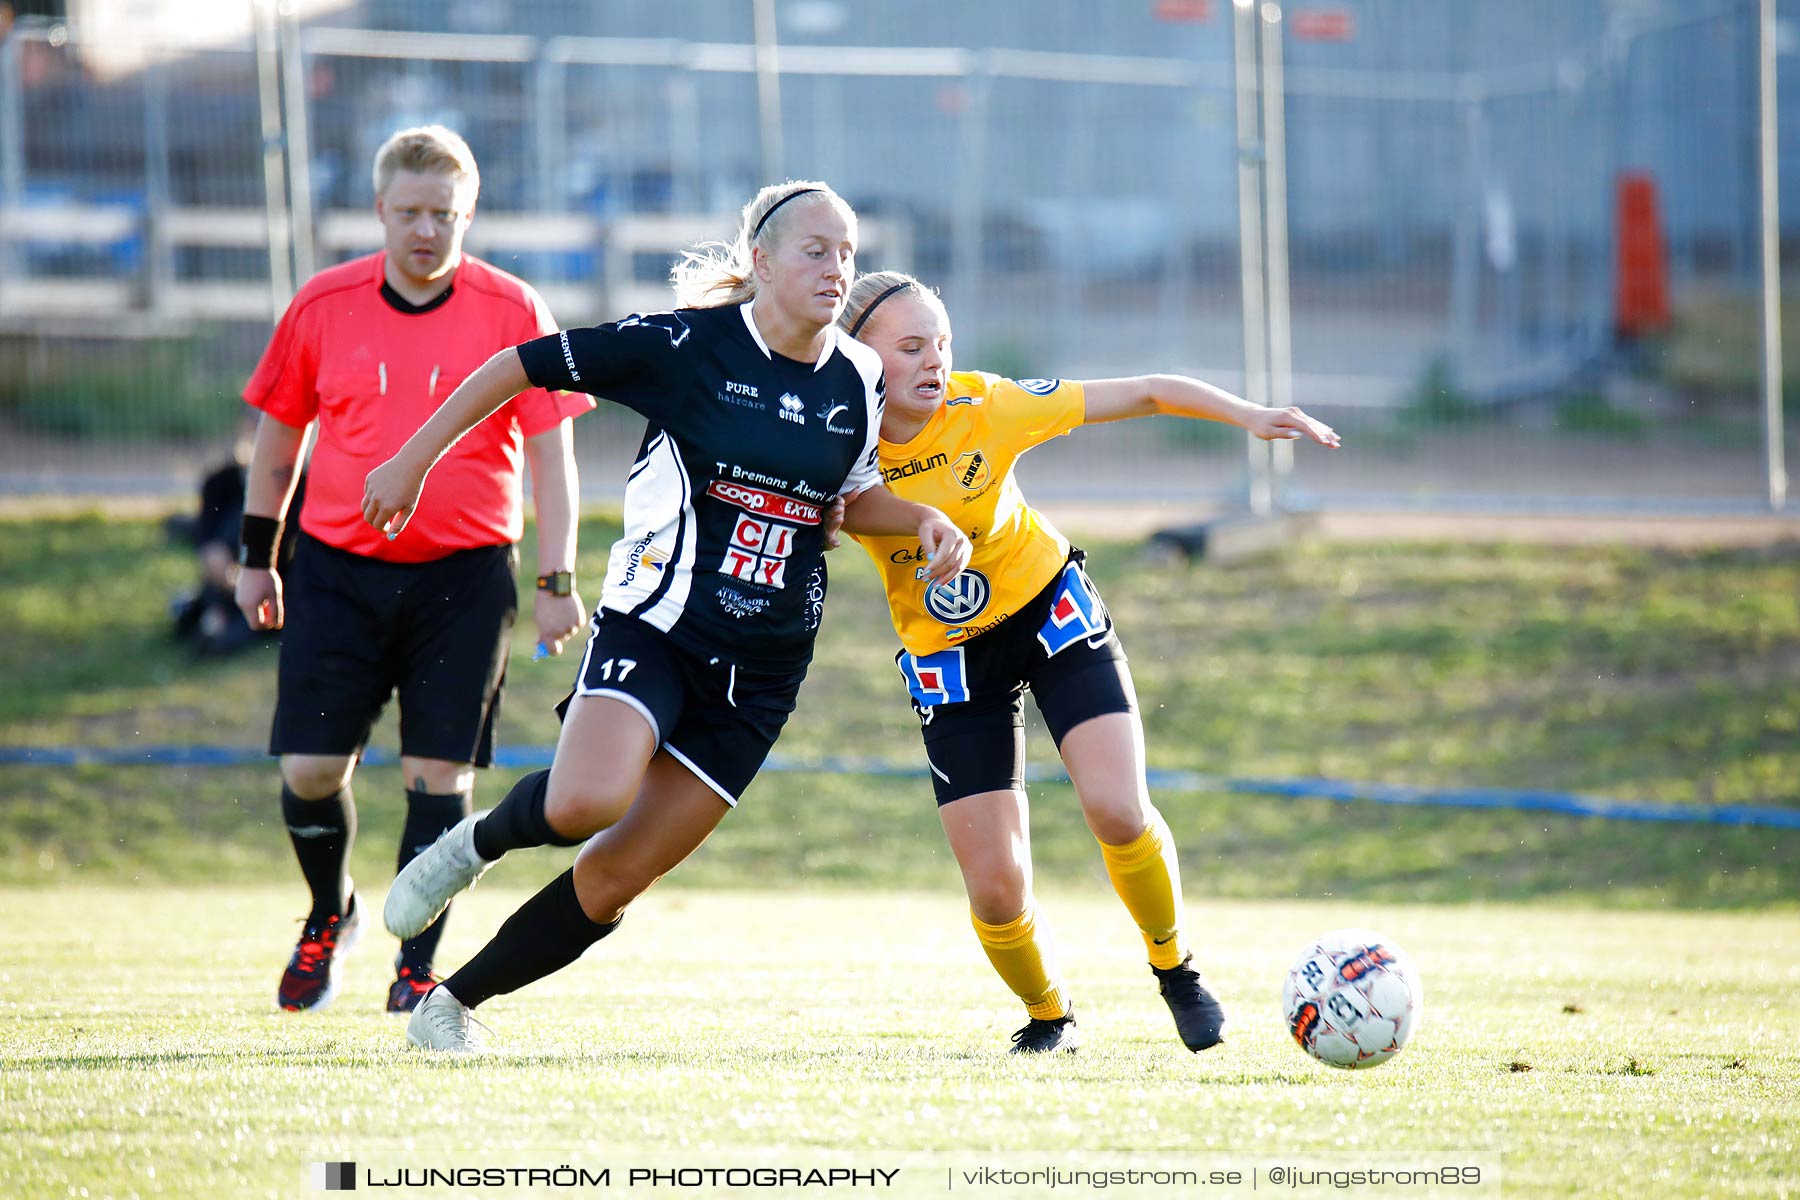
pixel 972 471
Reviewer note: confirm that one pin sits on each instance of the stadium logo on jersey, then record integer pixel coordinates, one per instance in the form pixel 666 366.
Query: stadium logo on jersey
pixel 972 471
pixel 758 552
pixel 960 600
pixel 673 326
pixel 1075 614
pixel 793 408
pixel 828 413
pixel 1039 387
pixel 934 679
pixel 917 466
pixel 765 503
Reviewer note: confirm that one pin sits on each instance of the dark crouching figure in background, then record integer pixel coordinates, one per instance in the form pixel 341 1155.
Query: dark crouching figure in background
pixel 208 617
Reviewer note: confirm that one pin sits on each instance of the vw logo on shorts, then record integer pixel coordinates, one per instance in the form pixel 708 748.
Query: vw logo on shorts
pixel 960 600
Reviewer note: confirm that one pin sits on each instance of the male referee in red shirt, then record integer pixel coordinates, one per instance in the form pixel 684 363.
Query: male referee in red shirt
pixel 368 350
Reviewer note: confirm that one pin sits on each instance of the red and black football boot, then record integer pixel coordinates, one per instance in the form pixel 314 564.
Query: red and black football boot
pixel 311 978
pixel 409 987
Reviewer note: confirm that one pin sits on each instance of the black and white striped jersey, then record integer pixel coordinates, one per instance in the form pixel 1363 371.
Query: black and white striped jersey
pixel 724 507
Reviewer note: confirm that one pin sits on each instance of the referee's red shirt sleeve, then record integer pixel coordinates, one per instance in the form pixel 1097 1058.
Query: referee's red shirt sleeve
pixel 285 382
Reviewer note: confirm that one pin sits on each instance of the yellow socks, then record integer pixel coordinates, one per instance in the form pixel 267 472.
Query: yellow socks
pixel 1013 949
pixel 1148 879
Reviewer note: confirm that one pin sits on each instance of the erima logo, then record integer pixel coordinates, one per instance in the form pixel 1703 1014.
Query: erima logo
pixel 792 408
pixel 568 358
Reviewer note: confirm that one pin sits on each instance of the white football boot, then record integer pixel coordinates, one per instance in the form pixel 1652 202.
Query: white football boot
pixel 442 1023
pixel 426 885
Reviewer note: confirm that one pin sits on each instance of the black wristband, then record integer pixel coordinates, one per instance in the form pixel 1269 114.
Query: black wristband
pixel 258 540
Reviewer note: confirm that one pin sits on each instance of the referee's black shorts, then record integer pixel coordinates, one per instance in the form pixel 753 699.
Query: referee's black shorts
pixel 718 720
pixel 360 630
pixel 970 698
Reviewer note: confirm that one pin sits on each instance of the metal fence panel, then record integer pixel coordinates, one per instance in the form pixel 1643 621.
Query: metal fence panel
pixel 1066 173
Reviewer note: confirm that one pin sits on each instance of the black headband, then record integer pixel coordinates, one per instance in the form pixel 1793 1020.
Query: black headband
pixel 876 303
pixel 764 219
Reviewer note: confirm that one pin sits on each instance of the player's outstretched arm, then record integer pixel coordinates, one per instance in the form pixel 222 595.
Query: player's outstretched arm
pixel 392 490
pixel 1180 396
pixel 877 512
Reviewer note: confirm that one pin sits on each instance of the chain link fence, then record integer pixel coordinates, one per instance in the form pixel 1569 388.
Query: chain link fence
pixel 1067 174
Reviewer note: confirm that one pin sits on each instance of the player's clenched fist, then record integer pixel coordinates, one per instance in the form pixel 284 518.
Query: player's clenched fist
pixel 390 494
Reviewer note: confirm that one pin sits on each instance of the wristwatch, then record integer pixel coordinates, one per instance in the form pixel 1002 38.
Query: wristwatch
pixel 557 583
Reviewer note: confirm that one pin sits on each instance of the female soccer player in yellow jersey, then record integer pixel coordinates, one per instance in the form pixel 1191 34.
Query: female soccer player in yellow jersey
pixel 1024 614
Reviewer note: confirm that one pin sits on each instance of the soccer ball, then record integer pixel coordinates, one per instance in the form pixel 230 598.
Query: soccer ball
pixel 1352 999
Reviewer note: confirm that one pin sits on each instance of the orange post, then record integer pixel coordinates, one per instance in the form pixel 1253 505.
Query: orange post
pixel 1641 297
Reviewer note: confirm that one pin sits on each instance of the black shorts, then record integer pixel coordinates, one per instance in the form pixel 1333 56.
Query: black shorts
pixel 970 698
pixel 719 720
pixel 360 629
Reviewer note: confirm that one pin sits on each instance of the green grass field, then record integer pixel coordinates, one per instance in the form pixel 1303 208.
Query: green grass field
pixel 1609 1004
pixel 1597 1054
pixel 1645 675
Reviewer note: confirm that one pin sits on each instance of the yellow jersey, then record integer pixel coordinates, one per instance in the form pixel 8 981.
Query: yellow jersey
pixel 962 463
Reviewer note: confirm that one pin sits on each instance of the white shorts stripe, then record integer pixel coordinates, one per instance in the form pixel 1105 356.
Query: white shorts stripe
pixel 702 776
pixel 630 701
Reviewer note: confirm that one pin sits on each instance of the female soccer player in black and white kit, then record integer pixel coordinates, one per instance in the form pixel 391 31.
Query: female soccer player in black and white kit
pixel 760 412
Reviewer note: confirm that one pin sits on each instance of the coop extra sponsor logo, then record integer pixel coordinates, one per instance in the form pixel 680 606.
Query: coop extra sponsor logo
pixel 765 503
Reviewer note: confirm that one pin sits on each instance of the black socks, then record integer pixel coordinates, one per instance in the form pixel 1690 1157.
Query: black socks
pixel 427 815
pixel 547 934
pixel 322 832
pixel 518 821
